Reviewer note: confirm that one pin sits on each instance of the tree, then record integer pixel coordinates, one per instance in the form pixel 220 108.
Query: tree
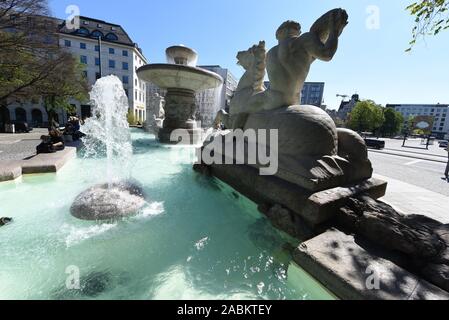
pixel 431 17
pixel 67 81
pixel 29 49
pixel 393 122
pixel 366 116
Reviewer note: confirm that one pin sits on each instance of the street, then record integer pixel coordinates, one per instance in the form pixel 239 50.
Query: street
pixel 422 173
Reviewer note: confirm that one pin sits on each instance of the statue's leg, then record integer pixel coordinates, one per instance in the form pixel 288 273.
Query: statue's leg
pixel 239 120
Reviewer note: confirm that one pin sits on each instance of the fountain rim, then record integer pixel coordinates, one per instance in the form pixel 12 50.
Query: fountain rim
pixel 179 67
pixel 180 46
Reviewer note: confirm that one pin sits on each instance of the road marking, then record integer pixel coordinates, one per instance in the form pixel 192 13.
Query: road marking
pixel 413 162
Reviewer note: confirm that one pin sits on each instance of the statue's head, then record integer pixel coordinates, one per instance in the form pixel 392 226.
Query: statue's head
pixel 249 58
pixel 288 29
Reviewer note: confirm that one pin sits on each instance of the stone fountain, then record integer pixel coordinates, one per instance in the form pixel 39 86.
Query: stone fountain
pixel 322 190
pixel 182 79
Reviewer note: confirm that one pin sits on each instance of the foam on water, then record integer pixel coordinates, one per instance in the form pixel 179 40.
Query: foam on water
pixel 77 235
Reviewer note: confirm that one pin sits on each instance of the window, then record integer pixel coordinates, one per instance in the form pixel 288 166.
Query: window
pixel 97 48
pixel 112 64
pixel 67 43
pixel 111 51
pixel 125 53
pixel 82 45
pixel 111 37
pixel 135 82
pixel 85 74
pixel 97 61
pixel 82 32
pixel 125 79
pixel 97 34
pixel 83 59
pixel 135 95
pixel 125 66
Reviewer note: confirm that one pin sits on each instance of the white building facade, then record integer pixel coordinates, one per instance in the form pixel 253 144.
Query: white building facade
pixel 115 54
pixel 439 112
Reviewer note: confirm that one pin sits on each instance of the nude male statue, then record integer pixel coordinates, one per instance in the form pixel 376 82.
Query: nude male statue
pixel 289 62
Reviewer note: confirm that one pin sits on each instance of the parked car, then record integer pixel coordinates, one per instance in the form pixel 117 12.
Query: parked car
pixel 443 144
pixel 375 143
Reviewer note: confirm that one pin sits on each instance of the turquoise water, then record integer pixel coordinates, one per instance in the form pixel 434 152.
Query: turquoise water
pixel 195 239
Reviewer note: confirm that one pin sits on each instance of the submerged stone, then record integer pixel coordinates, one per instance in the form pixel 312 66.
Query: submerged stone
pixel 108 202
pixel 5 221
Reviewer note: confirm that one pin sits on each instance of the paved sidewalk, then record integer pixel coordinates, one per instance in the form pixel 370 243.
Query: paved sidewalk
pixel 410 199
pixel 20 145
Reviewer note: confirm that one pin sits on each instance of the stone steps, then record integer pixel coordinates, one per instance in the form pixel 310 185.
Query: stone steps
pixel 41 163
pixel 349 269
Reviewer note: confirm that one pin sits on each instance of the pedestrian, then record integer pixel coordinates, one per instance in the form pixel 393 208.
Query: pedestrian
pixel 446 173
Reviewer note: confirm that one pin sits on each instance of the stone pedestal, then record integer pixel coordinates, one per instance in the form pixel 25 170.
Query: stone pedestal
pixel 179 115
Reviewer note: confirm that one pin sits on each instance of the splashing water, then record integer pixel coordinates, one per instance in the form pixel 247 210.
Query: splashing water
pixel 107 131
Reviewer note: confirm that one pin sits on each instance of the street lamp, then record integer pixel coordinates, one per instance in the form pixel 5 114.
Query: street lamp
pixel 99 56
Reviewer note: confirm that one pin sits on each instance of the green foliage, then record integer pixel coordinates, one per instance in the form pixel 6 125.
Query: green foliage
pixel 27 40
pixel 393 122
pixel 366 116
pixel 64 83
pixel 431 17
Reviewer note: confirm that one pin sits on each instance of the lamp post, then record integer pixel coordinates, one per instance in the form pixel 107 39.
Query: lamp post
pixel 99 56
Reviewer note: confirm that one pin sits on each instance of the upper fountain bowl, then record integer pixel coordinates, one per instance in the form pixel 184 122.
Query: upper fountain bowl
pixel 180 72
pixel 182 55
pixel 176 76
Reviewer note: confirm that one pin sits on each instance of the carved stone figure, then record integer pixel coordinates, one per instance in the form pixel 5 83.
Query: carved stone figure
pixel 288 65
pixel 313 153
pixel 155 112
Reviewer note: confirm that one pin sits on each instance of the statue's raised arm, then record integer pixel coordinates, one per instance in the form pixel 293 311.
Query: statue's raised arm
pixel 322 40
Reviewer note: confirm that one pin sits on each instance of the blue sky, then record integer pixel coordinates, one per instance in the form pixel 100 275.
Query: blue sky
pixel 371 62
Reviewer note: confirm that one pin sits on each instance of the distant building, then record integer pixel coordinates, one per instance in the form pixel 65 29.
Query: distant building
pixel 438 111
pixel 312 93
pixel 211 101
pixel 346 107
pixel 119 56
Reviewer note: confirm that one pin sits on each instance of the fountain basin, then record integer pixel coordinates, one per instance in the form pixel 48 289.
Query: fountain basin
pixel 167 76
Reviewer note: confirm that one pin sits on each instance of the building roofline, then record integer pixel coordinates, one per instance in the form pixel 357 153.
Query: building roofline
pixel 100 21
